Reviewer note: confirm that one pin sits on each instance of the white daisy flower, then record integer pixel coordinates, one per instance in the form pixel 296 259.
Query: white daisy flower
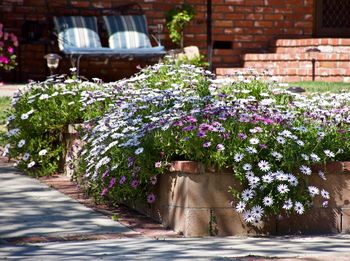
pixel 257 212
pixel 267 178
pixel 44 96
pixel 300 143
pixel 305 157
pixel 268 201
pixel 299 208
pixel 282 188
pixel 248 216
pixel 251 150
pixel 329 153
pixel 281 176
pixel 288 204
pixel 24 116
pixel 322 175
pixel 305 170
pixel 314 157
pixel 293 181
pixel 249 174
pixel 247 194
pixel 247 167
pixel 240 207
pixel 325 194
pixel 21 143
pixel 313 191
pixel 278 156
pixel 238 157
pixel 31 164
pixel 42 152
pixel 264 165
pixel 281 140
pixel 253 181
pixel 139 151
pixel 325 203
pixel 254 141
pixel 26 156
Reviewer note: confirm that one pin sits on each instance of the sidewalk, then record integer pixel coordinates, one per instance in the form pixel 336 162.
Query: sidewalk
pixel 59 228
pixel 9 89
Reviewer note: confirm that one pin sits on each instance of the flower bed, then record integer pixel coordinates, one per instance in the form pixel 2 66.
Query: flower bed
pixel 266 138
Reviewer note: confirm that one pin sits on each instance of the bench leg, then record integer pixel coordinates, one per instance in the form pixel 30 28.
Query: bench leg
pixel 75 62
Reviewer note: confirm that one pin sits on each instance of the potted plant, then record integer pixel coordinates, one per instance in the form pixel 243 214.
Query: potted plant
pixel 8 42
pixel 176 20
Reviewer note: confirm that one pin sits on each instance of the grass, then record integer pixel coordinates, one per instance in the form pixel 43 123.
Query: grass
pixel 334 87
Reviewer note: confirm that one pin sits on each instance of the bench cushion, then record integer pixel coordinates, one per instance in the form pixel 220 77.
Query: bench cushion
pixel 121 52
pixel 127 31
pixel 77 31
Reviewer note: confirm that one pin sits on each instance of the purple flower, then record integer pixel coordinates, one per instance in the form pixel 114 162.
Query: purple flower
pixel 122 180
pixel 158 164
pixel 204 127
pixel 220 147
pixel 226 136
pixel 242 136
pixel 105 174
pixel 201 134
pixel 112 182
pixel 263 146
pixel 130 162
pixel 189 128
pixel 151 198
pixel 135 183
pixel 206 144
pixel 104 192
pixel 191 119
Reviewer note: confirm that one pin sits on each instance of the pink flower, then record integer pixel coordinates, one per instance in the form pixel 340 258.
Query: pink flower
pixel 135 183
pixel 151 198
pixel 4 60
pixel 2 44
pixel 112 182
pixel 158 164
pixel 104 192
pixel 10 49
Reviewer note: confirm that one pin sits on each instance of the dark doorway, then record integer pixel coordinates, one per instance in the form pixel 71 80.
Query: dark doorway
pixel 332 18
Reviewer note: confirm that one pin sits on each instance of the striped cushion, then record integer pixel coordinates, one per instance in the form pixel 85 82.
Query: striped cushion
pixel 127 31
pixel 77 31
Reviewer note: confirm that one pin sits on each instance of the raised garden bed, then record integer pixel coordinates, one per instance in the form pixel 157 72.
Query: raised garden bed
pixel 193 200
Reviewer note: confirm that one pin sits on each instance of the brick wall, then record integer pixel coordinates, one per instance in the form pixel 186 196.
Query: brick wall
pixel 246 25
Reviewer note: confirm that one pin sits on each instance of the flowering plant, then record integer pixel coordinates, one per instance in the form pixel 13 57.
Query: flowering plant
pixel 8 42
pixel 40 116
pixel 268 137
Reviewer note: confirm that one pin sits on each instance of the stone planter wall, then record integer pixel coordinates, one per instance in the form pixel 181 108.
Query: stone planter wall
pixel 194 201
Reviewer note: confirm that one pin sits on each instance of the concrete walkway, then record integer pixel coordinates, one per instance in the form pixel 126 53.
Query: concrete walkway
pixel 9 89
pixel 28 208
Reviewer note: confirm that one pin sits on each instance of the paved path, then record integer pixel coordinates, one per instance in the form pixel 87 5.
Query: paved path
pixel 9 89
pixel 28 208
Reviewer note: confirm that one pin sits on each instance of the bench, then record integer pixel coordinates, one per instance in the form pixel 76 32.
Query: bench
pixel 124 27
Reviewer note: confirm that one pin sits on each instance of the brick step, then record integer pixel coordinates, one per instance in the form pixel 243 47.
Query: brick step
pixel 295 57
pixel 324 45
pixel 311 42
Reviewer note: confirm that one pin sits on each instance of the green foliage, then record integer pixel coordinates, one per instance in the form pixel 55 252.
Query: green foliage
pixel 176 20
pixel 41 114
